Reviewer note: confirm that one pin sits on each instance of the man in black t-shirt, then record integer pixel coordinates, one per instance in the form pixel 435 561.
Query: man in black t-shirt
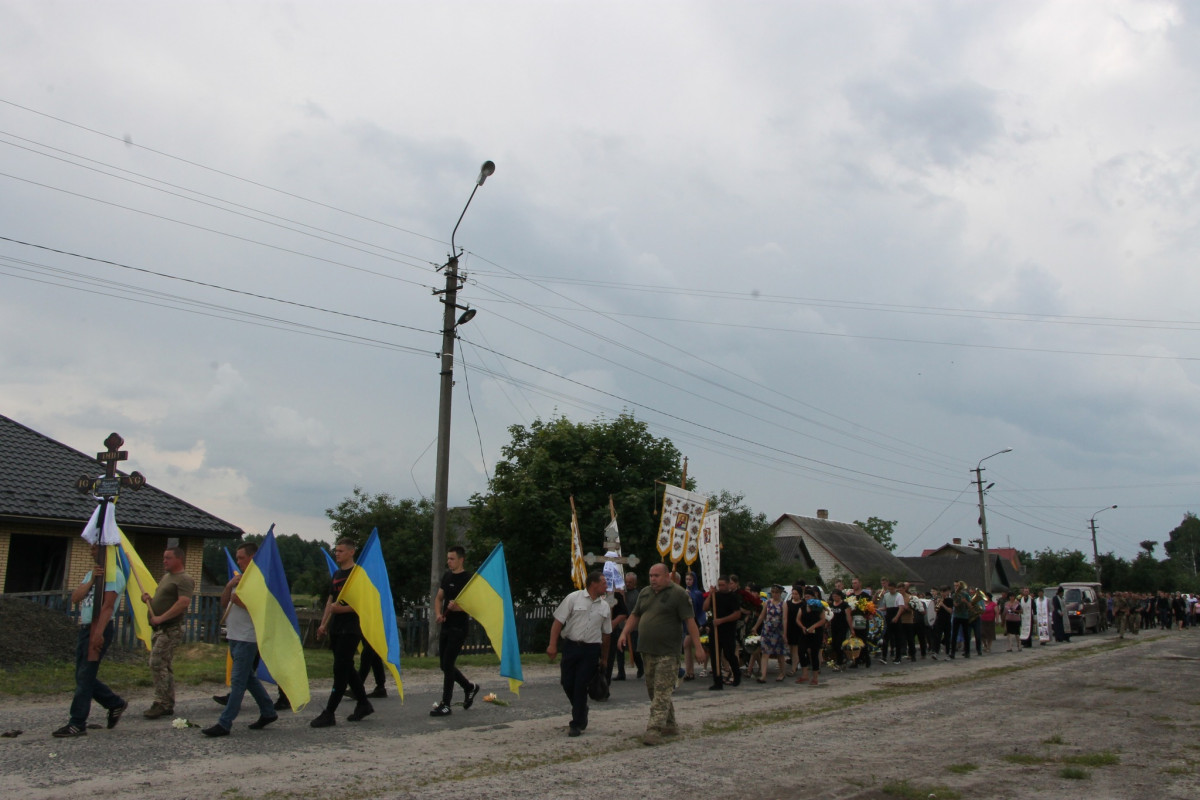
pixel 454 632
pixel 341 622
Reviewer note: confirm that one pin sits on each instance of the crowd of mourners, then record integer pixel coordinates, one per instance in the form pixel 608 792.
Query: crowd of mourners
pixel 805 629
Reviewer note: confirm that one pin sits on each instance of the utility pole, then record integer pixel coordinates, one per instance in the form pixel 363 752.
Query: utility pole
pixel 987 562
pixel 441 488
pixel 1095 551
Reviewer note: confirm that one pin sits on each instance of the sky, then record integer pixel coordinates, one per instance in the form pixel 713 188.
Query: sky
pixel 838 253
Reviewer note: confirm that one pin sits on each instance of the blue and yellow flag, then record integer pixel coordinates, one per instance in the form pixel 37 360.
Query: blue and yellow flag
pixel 264 591
pixel 488 598
pixel 369 592
pixel 261 672
pixel 329 562
pixel 137 580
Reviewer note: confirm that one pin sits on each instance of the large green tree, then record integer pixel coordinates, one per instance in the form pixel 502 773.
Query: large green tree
pixel 527 505
pixel 1183 545
pixel 1056 566
pixel 405 537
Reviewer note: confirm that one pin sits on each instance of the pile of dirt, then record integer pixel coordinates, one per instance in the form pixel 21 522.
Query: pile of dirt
pixel 34 633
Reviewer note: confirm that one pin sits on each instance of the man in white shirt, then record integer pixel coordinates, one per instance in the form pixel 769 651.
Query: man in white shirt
pixel 583 621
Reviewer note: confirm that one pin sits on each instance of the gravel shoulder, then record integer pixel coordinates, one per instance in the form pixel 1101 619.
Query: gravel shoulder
pixel 1005 725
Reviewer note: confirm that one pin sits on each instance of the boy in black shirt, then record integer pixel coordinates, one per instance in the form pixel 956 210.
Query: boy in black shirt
pixel 341 622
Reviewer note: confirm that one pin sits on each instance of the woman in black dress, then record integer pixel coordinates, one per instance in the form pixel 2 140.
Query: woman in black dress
pixel 839 628
pixel 791 630
pixel 812 630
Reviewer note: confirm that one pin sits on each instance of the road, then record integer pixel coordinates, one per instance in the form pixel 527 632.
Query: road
pixel 1005 725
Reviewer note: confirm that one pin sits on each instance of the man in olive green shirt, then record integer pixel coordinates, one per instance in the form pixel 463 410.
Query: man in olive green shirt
pixel 167 609
pixel 661 614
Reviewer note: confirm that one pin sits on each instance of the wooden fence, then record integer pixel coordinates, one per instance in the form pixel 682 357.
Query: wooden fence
pixel 202 623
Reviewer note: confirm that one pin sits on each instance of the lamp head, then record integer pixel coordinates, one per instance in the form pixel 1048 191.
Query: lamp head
pixel 466 316
pixel 485 172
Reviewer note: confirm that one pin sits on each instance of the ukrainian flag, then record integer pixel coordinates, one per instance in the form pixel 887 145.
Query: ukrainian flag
pixel 488 598
pixel 137 580
pixel 369 592
pixel 264 591
pixel 262 672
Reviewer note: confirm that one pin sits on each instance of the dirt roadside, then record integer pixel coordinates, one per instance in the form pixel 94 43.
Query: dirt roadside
pixel 1002 726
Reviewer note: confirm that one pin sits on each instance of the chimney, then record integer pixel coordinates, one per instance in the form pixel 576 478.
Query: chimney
pixel 822 513
pixel 957 541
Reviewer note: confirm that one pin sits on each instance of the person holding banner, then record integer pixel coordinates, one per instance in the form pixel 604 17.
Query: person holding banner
pixel 243 647
pixel 725 609
pixel 88 686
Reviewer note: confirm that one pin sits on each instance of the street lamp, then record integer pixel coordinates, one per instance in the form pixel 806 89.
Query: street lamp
pixel 987 562
pixel 442 479
pixel 1095 552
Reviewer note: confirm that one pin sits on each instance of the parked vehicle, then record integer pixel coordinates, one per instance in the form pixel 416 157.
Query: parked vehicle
pixel 1081 607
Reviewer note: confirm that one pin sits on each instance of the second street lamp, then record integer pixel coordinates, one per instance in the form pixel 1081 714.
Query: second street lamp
pixel 441 489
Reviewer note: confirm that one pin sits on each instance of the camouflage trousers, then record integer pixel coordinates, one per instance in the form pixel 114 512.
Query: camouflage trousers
pixel 662 674
pixel 162 660
pixel 1126 622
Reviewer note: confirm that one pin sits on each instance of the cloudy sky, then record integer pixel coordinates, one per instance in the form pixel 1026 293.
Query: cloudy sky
pixel 837 252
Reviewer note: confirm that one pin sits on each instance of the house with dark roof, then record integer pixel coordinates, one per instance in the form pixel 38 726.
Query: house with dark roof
pixel 42 515
pixel 949 563
pixel 837 549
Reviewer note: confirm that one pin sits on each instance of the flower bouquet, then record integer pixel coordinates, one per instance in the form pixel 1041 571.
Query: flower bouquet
pixel 180 723
pixel 753 642
pixel 490 697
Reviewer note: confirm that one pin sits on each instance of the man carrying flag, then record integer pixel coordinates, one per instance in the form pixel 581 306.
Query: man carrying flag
pixel 454 622
pixel 88 686
pixel 243 647
pixel 341 622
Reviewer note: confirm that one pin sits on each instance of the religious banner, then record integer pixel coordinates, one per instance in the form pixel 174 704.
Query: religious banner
pixel 578 567
pixel 682 512
pixel 710 549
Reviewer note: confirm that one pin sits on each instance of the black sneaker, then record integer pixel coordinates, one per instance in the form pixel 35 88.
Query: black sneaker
pixel 215 730
pixel 114 714
pixel 283 704
pixel 221 699
pixel 361 710
pixel 69 731
pixel 380 691
pixel 573 731
pixel 470 698
pixel 440 710
pixel 262 722
pixel 324 720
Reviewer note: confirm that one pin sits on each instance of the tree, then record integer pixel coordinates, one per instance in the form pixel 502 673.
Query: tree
pixel 1051 567
pixel 405 537
pixel 881 530
pixel 527 505
pixel 1183 545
